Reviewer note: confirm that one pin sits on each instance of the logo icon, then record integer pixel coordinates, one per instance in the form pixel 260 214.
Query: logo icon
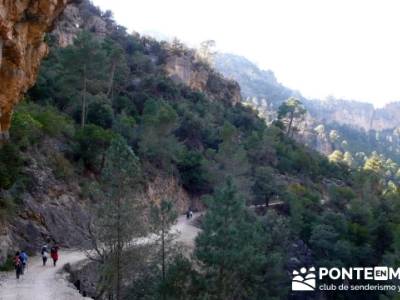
pixel 381 273
pixel 304 280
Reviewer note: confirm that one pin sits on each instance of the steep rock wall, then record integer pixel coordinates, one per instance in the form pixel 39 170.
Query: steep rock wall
pixel 23 25
pixel 73 21
pixel 186 69
pixel 357 114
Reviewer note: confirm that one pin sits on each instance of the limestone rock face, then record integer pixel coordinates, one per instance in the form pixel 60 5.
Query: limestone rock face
pixel 356 114
pixel 73 21
pixel 187 69
pixel 23 25
pixel 51 208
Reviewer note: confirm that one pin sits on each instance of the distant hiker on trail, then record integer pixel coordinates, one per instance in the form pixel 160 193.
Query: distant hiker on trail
pixel 188 214
pixel 45 254
pixel 54 254
pixel 18 264
pixel 24 260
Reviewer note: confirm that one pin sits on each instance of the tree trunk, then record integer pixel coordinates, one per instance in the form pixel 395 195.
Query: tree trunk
pixel 290 123
pixel 119 249
pixel 111 80
pixel 83 115
pixel 163 253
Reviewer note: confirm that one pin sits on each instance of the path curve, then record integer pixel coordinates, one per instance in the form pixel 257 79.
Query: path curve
pixel 50 283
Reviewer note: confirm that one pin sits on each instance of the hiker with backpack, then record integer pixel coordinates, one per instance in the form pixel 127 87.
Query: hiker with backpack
pixel 45 254
pixel 18 264
pixel 24 260
pixel 54 254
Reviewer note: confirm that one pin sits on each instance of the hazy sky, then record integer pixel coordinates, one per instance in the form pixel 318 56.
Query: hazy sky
pixel 344 48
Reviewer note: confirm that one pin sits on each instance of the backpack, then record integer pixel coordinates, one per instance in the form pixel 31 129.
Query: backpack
pixel 17 261
pixel 23 257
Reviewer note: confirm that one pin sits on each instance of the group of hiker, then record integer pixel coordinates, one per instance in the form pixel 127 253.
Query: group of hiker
pixel 21 258
pixel 53 254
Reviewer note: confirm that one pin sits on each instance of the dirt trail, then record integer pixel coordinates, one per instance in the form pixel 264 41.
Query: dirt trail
pixel 42 283
pixel 186 231
pixel 49 283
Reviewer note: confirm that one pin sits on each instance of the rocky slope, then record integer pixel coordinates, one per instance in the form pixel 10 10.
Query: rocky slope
pixel 356 114
pixel 23 25
pixel 256 85
pixel 73 20
pixel 52 208
pixel 185 67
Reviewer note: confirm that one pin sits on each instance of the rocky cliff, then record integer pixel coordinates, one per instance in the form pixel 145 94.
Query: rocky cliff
pixel 186 67
pixel 256 85
pixel 23 25
pixel 356 114
pixel 352 113
pixel 75 19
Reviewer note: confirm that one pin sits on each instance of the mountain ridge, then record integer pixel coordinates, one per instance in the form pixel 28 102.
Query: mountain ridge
pixel 263 84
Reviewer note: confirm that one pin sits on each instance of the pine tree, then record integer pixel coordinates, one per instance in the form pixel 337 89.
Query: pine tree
pixel 231 161
pixel 230 247
pixel 118 218
pixel 83 69
pixel 163 215
pixel 290 111
pixel 265 186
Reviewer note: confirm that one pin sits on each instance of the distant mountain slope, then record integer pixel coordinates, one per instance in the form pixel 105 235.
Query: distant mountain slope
pixel 253 81
pixel 261 84
pixel 360 126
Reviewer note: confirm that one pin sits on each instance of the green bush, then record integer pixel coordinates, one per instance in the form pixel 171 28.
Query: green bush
pixel 8 265
pixel 124 125
pixel 31 121
pixel 25 130
pixel 10 165
pixel 91 145
pixel 193 173
pixel 63 169
pixel 100 114
pixel 53 122
pixel 7 207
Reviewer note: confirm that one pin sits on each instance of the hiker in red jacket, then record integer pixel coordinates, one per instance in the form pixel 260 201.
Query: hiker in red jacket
pixel 54 254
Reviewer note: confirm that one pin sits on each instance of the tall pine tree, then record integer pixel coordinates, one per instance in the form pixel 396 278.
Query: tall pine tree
pixel 230 247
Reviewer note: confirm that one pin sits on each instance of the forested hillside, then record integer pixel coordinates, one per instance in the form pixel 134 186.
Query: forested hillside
pixel 115 140
pixel 348 132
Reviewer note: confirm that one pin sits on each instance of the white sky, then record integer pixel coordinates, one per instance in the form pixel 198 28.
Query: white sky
pixel 344 48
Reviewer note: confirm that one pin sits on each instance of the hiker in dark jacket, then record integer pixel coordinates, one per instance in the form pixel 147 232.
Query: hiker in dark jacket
pixel 45 254
pixel 17 264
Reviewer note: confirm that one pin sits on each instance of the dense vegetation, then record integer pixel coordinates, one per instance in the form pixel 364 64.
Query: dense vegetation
pixel 347 144
pixel 107 99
